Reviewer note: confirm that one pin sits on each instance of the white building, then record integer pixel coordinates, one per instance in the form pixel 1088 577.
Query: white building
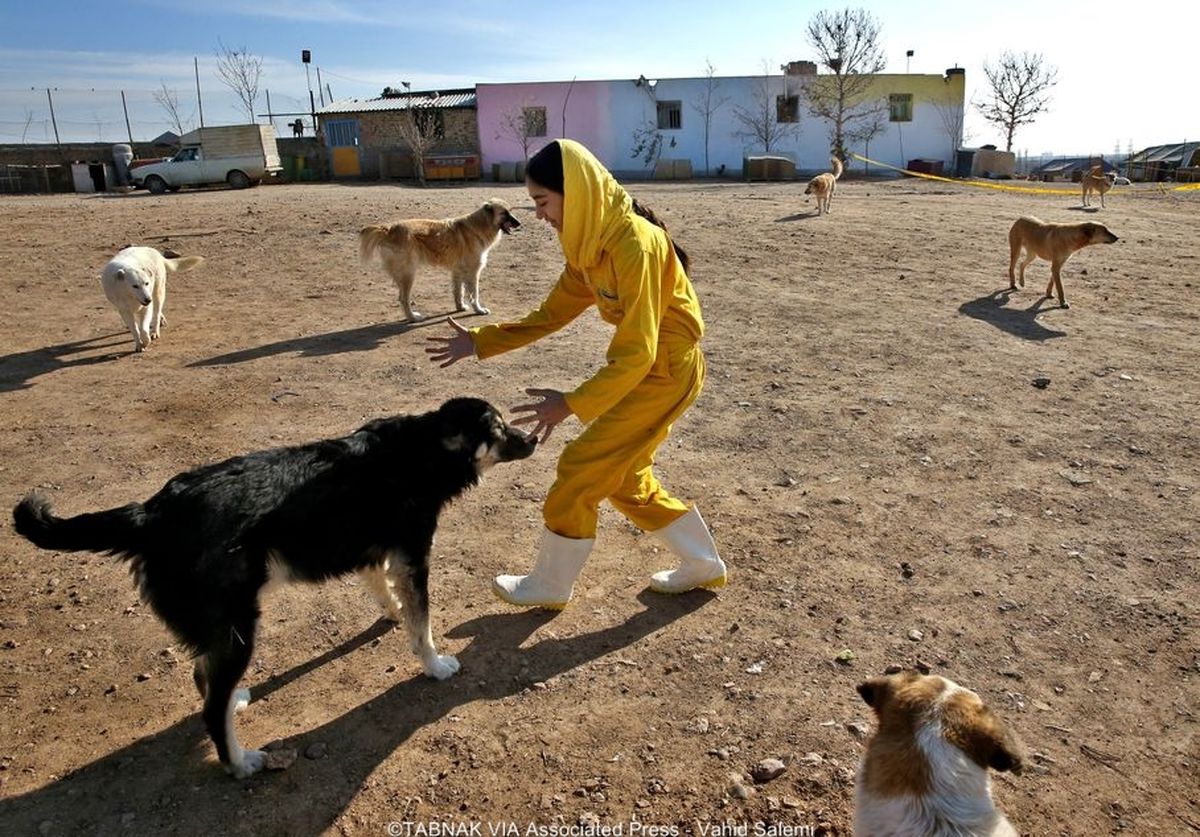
pixel 630 123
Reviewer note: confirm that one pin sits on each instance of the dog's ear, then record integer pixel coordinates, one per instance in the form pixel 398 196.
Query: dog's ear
pixel 1006 756
pixel 976 730
pixel 456 442
pixel 875 691
pixel 120 274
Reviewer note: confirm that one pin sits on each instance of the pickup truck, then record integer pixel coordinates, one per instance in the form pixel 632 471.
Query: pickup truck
pixel 240 155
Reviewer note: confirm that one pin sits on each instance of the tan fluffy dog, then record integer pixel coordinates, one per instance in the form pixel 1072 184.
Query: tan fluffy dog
pixel 1053 242
pixel 824 185
pixel 1096 180
pixel 460 244
pixel 925 771
pixel 135 282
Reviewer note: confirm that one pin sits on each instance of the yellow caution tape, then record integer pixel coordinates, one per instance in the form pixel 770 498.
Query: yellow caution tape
pixel 1005 187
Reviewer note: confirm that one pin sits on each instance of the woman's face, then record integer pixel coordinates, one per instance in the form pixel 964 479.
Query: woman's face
pixel 548 202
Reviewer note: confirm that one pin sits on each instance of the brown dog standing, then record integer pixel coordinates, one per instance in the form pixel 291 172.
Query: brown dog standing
pixel 824 185
pixel 460 244
pixel 1096 180
pixel 1053 242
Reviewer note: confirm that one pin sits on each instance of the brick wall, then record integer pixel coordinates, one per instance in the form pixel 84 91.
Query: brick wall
pixel 42 154
pixel 384 153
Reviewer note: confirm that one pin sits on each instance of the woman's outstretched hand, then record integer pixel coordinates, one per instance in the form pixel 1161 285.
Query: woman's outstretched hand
pixel 547 413
pixel 451 350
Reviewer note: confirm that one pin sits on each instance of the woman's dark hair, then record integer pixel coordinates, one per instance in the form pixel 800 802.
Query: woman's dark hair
pixel 545 168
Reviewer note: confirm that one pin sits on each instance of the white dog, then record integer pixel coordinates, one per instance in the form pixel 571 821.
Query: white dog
pixel 135 282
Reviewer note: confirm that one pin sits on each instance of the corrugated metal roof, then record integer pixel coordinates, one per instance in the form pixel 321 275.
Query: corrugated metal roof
pixel 1171 153
pixel 1065 165
pixel 418 99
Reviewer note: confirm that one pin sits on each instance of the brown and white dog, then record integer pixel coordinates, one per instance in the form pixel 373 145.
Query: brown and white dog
pixel 1053 242
pixel 925 771
pixel 460 244
pixel 824 185
pixel 1096 179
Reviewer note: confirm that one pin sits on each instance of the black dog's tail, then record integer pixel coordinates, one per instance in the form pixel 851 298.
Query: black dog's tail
pixel 113 531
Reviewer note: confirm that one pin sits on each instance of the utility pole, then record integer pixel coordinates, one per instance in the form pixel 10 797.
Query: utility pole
pixel 306 57
pixel 125 108
pixel 320 87
pixel 53 121
pixel 199 103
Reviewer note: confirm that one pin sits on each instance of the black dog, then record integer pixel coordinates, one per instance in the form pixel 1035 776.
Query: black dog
pixel 203 547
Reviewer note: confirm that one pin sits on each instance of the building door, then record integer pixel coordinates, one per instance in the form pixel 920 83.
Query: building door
pixel 342 137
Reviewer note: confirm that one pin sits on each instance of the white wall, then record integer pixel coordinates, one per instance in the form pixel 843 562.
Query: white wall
pixel 605 116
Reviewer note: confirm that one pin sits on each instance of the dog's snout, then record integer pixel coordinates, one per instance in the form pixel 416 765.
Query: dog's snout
pixel 521 445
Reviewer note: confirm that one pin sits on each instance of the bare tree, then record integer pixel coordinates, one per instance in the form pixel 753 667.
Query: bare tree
pixel 952 116
pixel 421 128
pixel 757 121
pixel 867 129
pixel 566 99
pixel 523 124
pixel 647 142
pixel 28 122
pixel 847 44
pixel 647 137
pixel 240 72
pixel 168 100
pixel 707 104
pixel 1020 90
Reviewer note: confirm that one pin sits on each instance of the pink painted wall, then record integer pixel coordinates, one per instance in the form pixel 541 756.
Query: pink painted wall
pixel 588 115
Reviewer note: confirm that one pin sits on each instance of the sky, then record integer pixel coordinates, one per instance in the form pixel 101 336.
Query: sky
pixel 1123 79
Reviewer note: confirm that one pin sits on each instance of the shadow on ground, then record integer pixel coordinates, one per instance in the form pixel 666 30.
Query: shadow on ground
pixel 361 339
pixel 18 369
pixel 799 216
pixel 169 782
pixel 1019 322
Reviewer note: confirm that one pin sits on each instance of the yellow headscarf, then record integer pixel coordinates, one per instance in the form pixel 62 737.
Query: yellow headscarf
pixel 594 206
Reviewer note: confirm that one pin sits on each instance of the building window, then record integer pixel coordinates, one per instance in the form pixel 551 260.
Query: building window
pixel 342 133
pixel 670 116
pixel 535 121
pixel 900 107
pixel 787 108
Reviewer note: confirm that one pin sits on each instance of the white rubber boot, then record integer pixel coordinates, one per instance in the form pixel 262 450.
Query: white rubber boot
pixel 700 565
pixel 550 584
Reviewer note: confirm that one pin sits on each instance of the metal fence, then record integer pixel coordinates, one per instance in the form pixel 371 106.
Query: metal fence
pixel 41 115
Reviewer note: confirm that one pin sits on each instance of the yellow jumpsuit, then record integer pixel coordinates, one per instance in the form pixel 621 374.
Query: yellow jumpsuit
pixel 626 267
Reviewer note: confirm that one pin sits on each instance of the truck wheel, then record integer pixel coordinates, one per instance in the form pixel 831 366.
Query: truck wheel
pixel 156 184
pixel 238 180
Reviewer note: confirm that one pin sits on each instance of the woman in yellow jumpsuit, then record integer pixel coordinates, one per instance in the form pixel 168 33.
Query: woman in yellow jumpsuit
pixel 620 259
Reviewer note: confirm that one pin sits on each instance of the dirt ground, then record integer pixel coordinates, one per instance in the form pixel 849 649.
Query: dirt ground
pixel 878 462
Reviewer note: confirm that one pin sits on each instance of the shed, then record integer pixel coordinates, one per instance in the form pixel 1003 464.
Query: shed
pixel 1069 169
pixel 1174 161
pixel 366 139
